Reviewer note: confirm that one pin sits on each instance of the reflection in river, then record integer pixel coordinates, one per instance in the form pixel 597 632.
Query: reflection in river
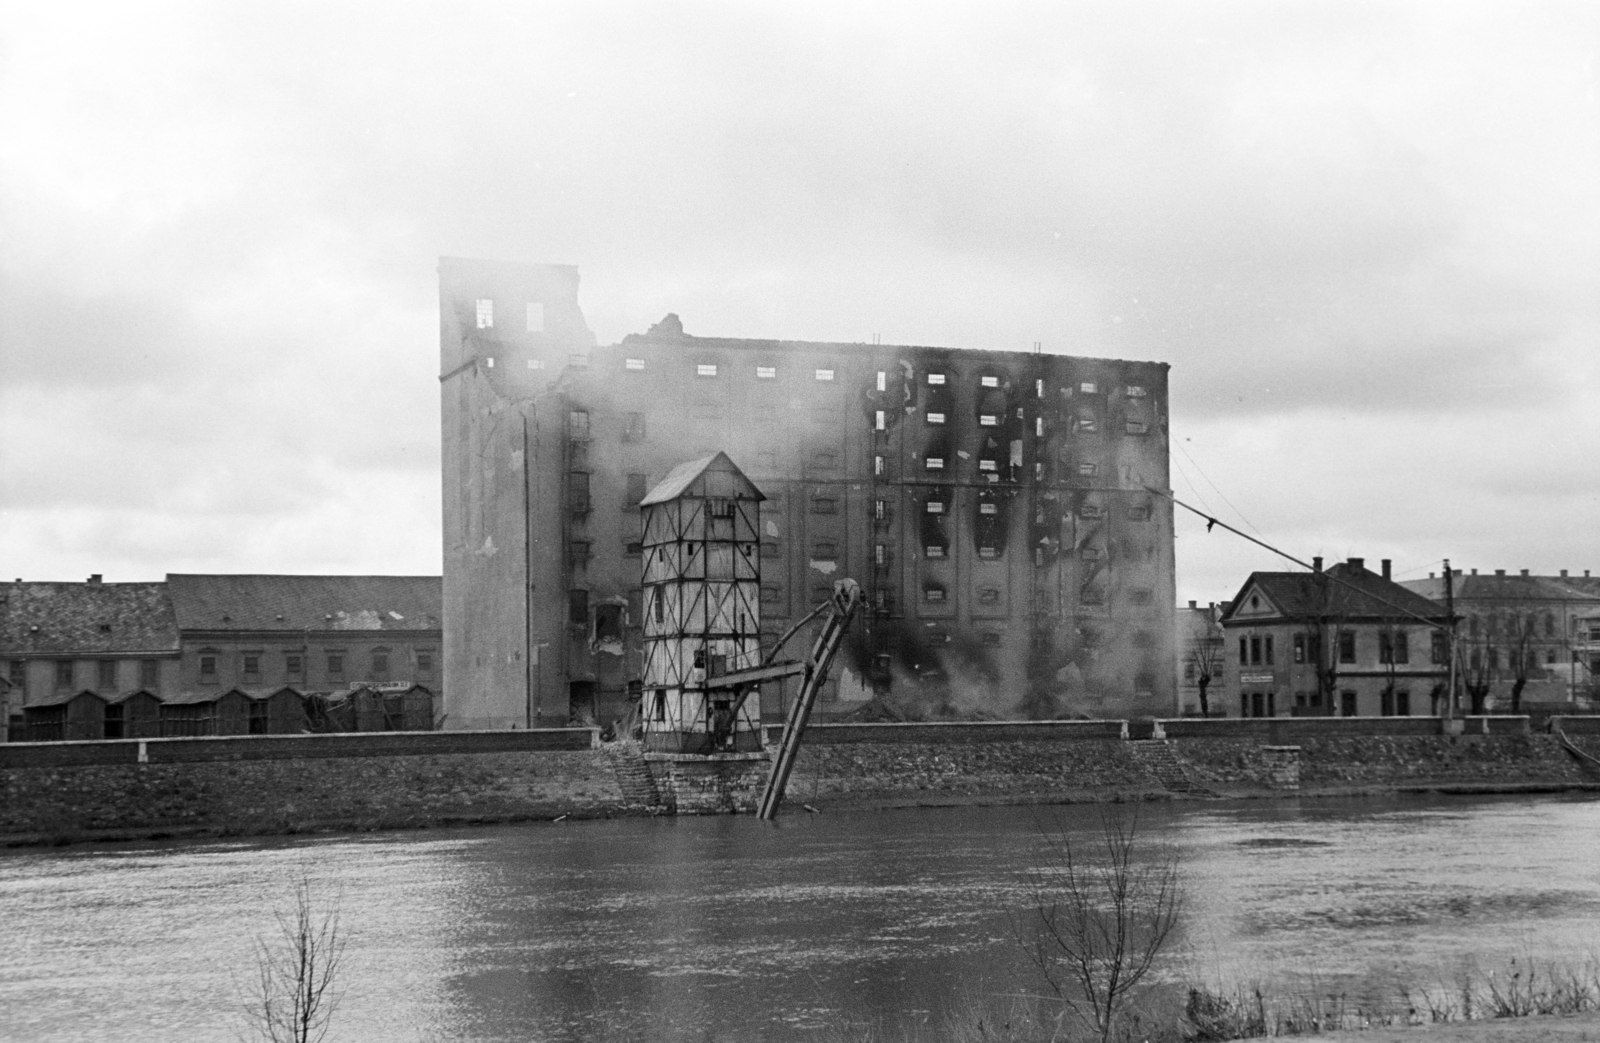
pixel 728 928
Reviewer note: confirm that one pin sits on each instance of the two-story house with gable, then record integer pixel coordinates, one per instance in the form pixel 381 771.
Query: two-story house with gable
pixel 1345 642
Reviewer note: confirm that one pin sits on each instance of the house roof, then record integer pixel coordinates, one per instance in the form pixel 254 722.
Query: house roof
pixel 122 697
pixel 713 475
pixel 194 696
pixel 61 696
pixel 301 603
pixel 85 618
pixel 1346 591
pixel 1510 588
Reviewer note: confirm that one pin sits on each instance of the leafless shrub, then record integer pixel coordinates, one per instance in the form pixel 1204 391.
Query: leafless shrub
pixel 295 991
pixel 1098 919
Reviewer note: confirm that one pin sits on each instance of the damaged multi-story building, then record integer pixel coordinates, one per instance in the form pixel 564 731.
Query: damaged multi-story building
pixel 1004 512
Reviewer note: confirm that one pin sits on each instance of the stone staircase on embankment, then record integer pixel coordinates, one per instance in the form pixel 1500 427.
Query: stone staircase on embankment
pixel 633 774
pixel 1156 757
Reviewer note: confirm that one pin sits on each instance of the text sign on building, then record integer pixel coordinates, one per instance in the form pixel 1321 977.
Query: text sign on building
pixel 1255 678
pixel 381 686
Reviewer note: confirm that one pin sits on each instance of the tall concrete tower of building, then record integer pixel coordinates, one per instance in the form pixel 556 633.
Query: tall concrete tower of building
pixel 994 506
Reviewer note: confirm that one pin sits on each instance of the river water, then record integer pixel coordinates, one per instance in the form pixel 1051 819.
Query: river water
pixel 733 929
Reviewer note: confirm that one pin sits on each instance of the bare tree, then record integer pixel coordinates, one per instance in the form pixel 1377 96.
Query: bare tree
pixel 1097 925
pixel 1521 632
pixel 1325 654
pixel 1205 658
pixel 295 993
pixel 1477 673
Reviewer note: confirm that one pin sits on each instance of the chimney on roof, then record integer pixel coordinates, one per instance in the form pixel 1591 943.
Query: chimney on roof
pixel 95 578
pixel 1358 563
pixel 1499 572
pixel 1563 573
pixel 1585 573
pixel 1385 568
pixel 1316 563
pixel 1193 605
pixel 1430 575
pixel 1524 572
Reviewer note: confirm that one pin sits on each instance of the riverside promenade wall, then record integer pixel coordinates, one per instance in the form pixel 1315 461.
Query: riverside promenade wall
pixel 253 785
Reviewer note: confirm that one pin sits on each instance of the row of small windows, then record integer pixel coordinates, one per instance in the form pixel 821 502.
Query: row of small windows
pixel 1394 647
pixel 936 379
pixel 709 369
pixel 105 673
pixel 1265 704
pixel 294 664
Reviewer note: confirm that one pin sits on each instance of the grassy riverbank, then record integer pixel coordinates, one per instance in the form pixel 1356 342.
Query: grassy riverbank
pixel 1527 1001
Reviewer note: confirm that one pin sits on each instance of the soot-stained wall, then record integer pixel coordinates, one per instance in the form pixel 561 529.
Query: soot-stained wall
pixel 994 506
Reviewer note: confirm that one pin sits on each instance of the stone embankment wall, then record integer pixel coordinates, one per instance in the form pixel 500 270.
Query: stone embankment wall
pixel 986 762
pixel 285 784
pixel 1389 761
pixel 290 784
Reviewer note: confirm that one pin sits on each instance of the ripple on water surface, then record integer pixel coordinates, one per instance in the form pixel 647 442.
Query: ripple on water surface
pixel 734 929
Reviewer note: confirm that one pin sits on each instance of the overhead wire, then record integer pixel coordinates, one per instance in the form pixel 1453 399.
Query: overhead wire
pixel 1214 485
pixel 1212 521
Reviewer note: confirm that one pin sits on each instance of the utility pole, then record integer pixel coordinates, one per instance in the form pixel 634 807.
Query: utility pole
pixel 1450 621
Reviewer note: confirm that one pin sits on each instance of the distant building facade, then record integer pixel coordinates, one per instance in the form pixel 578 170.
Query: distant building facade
pixel 1347 642
pixel 312 633
pixel 59 641
pixel 218 655
pixel 1524 641
pixel 1199 648
pixel 996 508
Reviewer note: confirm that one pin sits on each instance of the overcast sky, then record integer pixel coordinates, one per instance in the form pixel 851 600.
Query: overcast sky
pixel 1365 236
